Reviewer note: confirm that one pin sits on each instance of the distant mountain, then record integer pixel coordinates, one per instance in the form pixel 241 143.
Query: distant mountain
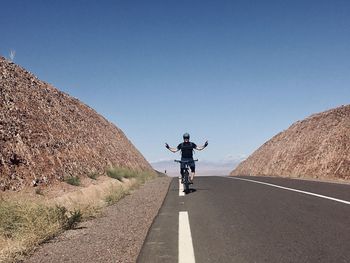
pixel 203 167
pixel 317 147
pixel 46 134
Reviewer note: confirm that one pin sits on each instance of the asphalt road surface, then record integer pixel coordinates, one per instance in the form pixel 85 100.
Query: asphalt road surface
pixel 240 219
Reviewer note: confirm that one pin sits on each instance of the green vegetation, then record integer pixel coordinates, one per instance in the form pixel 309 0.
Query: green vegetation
pixel 19 218
pixel 120 173
pixel 144 176
pixel 115 194
pixel 73 219
pixel 72 180
pixel 115 173
pixel 25 224
pixel 93 175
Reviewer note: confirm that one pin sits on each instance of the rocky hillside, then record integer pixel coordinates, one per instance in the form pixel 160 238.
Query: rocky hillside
pixel 317 147
pixel 46 135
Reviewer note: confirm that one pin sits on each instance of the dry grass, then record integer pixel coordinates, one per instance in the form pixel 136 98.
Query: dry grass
pixel 93 175
pixel 120 173
pixel 72 180
pixel 24 225
pixel 115 194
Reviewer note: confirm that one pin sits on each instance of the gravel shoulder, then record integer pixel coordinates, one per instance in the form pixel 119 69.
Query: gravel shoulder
pixel 117 236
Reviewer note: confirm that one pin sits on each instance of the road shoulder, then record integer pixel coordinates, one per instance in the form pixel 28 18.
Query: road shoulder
pixel 116 237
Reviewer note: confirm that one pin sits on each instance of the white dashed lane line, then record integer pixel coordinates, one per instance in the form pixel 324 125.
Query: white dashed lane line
pixel 186 253
pixel 181 188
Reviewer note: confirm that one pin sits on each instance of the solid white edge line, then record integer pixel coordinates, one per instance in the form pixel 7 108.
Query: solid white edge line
pixel 186 253
pixel 181 188
pixel 295 190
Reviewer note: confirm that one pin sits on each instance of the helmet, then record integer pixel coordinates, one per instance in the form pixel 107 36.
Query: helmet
pixel 186 136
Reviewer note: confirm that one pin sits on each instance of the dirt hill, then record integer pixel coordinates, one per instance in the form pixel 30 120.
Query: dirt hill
pixel 46 134
pixel 317 147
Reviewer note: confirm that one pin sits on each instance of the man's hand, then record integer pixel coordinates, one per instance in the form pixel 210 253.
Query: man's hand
pixel 167 146
pixel 206 144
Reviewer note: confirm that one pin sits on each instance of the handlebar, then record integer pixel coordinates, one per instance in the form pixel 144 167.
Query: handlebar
pixel 179 161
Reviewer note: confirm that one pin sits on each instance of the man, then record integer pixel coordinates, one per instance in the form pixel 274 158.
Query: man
pixel 187 149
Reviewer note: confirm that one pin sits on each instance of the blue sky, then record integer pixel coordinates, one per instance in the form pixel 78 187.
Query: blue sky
pixel 233 72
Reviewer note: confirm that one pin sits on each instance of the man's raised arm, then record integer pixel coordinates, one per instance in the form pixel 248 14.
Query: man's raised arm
pixel 174 150
pixel 199 148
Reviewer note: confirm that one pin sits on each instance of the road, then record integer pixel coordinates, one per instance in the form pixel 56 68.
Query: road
pixel 241 220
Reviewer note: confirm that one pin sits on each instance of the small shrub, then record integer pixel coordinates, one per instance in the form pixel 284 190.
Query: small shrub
pixel 115 194
pixel 93 175
pixel 115 173
pixel 120 173
pixel 34 222
pixel 144 176
pixel 74 218
pixel 39 191
pixel 10 219
pixel 72 180
pixel 29 224
pixel 91 211
pixel 128 173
